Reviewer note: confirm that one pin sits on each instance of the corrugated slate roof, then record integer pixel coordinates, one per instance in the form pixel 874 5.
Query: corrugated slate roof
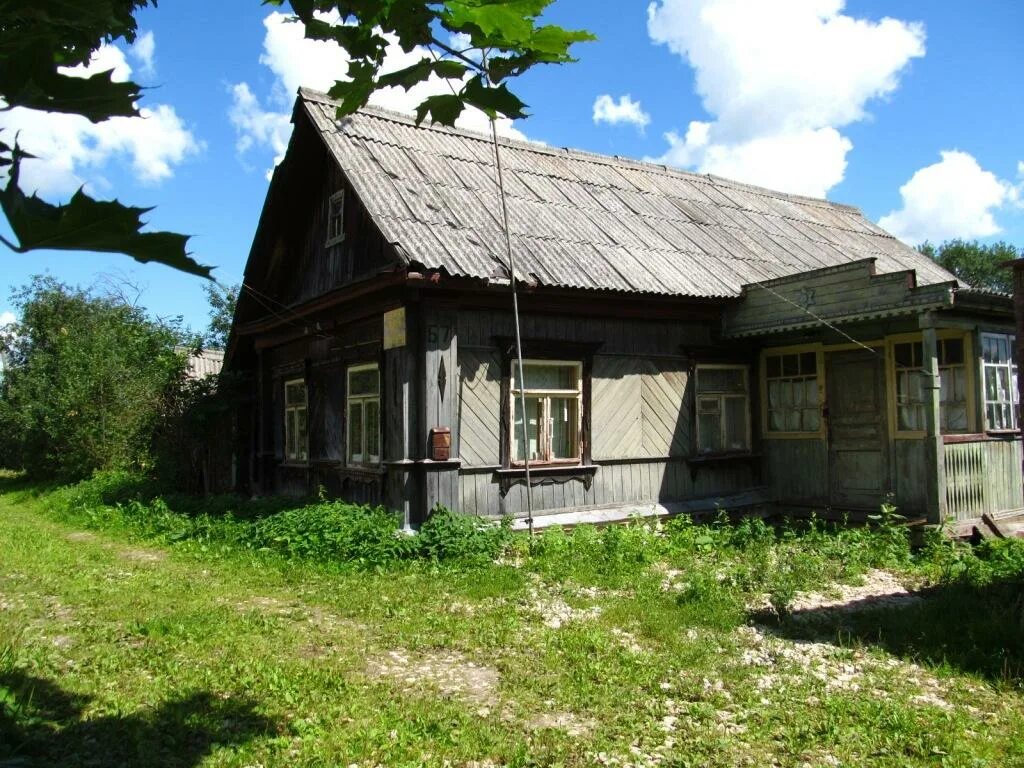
pixel 580 220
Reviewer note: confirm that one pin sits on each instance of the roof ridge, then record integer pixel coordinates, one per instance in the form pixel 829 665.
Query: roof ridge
pixel 320 97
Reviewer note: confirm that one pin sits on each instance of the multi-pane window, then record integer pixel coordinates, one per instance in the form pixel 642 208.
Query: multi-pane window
pixel 364 414
pixel 723 405
pixel 792 387
pixel 554 393
pixel 1000 375
pixel 336 218
pixel 908 360
pixel 296 441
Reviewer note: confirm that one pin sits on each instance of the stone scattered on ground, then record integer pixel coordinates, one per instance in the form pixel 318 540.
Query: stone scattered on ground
pixel 447 672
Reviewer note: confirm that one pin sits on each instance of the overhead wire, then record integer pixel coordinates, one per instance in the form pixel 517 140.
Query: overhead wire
pixel 500 180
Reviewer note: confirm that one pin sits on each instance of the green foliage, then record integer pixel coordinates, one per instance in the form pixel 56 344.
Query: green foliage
pixel 223 299
pixel 976 264
pixel 505 39
pixel 84 224
pixel 37 41
pixel 449 536
pixel 39 38
pixel 335 531
pixel 86 383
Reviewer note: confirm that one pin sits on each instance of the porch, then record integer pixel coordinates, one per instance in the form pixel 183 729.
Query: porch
pixel 874 389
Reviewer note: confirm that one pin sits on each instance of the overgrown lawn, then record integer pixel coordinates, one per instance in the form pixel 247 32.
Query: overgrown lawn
pixel 136 630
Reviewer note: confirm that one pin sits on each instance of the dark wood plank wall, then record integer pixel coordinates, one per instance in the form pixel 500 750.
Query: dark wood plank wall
pixel 322 360
pixel 641 415
pixel 797 470
pixel 910 483
pixel 297 263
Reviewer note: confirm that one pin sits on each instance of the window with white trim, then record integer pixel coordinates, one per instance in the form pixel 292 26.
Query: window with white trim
pixel 908 362
pixel 999 374
pixel 792 388
pixel 363 409
pixel 723 408
pixel 296 438
pixel 553 390
pixel 335 218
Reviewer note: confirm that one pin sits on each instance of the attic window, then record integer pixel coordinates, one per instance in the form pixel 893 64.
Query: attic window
pixel 336 218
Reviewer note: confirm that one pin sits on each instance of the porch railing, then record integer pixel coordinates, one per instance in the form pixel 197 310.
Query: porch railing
pixel 982 477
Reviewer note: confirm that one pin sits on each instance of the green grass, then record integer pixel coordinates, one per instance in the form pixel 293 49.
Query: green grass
pixel 140 635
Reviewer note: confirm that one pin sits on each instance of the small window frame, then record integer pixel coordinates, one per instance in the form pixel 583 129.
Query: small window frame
pixel 363 457
pixel 335 213
pixel 544 429
pixel 291 415
pixel 721 397
pixel 819 377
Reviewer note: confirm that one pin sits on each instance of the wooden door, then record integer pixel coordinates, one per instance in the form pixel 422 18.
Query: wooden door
pixel 857 434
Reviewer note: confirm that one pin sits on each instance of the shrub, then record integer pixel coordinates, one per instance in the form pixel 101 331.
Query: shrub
pixel 86 381
pixel 335 531
pixel 449 536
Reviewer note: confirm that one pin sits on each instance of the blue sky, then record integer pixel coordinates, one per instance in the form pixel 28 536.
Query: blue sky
pixel 909 110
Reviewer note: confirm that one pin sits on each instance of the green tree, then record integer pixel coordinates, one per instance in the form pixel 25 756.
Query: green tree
pixel 86 383
pixel 978 265
pixel 39 38
pixel 222 299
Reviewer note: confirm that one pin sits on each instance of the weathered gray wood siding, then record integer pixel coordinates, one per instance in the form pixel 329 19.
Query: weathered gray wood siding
pixel 845 291
pixel 479 404
pixel 910 481
pixel 983 477
pixel 797 470
pixel 641 407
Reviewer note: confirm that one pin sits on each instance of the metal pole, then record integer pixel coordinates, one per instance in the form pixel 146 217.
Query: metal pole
pixel 515 318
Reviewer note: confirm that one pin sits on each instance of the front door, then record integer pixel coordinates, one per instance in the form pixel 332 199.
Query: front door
pixel 857 440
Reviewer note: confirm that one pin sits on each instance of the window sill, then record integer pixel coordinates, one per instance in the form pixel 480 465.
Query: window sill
pixel 519 470
pixel 546 474
pixel 294 464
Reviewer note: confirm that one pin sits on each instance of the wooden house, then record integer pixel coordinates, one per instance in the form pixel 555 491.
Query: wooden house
pixel 689 341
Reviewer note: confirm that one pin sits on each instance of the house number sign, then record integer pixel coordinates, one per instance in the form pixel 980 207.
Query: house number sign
pixel 394 328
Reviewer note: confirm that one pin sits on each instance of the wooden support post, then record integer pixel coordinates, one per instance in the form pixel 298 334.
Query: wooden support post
pixel 935 454
pixel 1018 311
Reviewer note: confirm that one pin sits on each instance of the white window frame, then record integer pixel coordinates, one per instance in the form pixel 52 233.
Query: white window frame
pixel 1011 368
pixel 361 457
pixel 335 211
pixel 721 398
pixel 544 430
pixel 291 414
pixel 802 376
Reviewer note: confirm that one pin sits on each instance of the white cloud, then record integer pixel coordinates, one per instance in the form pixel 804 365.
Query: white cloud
pixel 625 110
pixel 780 79
pixel 257 126
pixel 299 62
pixel 143 50
pixel 952 198
pixel 6 318
pixel 107 58
pixel 70 150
